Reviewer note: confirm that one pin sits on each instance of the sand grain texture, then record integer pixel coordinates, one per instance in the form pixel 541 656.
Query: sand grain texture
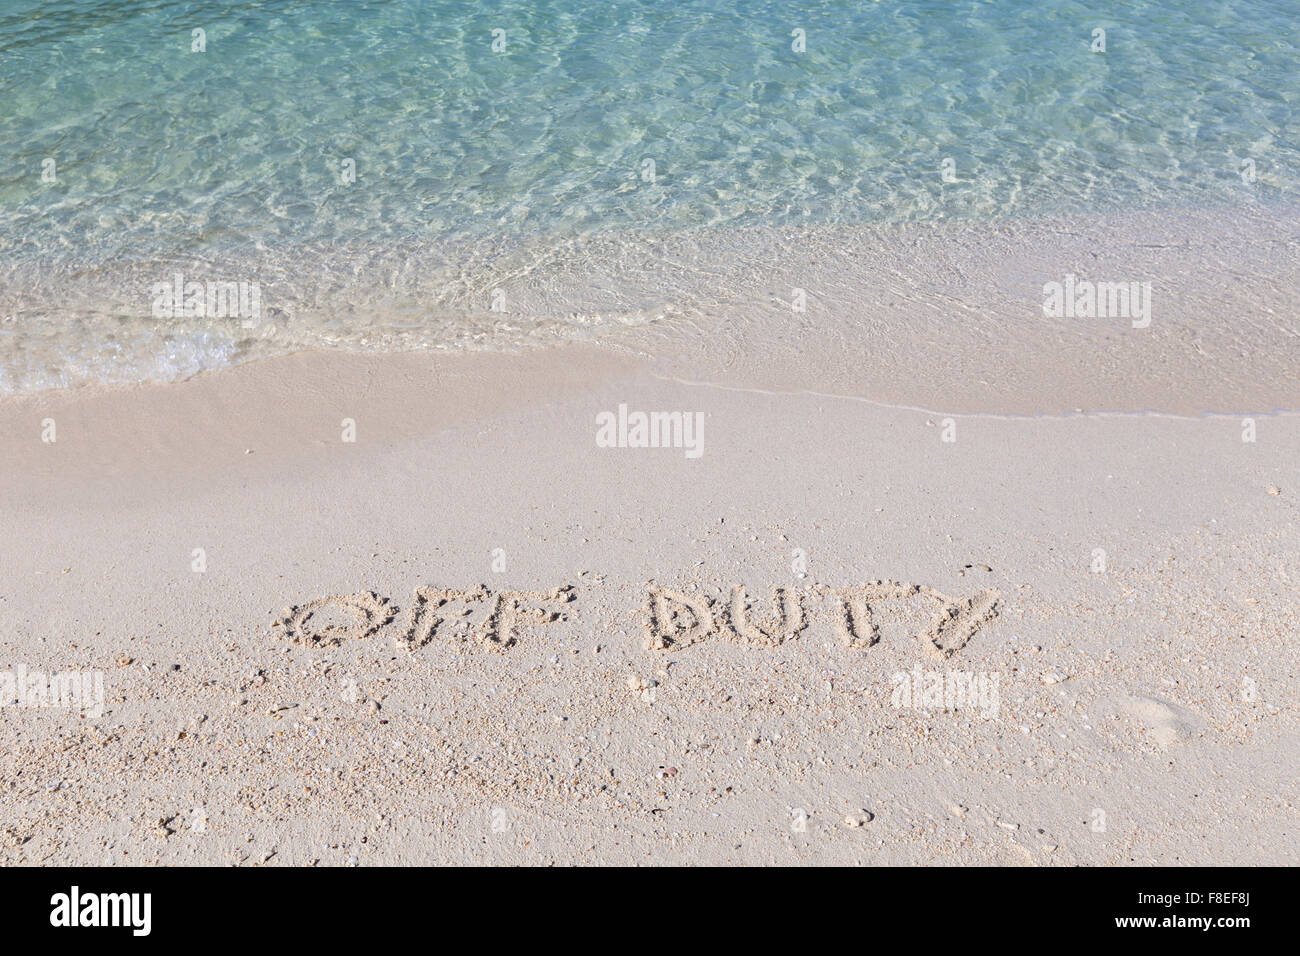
pixel 494 689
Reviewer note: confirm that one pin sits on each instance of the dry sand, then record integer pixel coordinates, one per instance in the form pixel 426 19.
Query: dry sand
pixel 1145 705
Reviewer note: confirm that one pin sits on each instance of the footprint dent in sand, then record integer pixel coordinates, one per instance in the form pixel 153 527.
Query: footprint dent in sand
pixel 673 619
pixel 1162 722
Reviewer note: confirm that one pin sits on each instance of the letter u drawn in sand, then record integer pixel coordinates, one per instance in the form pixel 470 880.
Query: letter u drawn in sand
pixel 789 620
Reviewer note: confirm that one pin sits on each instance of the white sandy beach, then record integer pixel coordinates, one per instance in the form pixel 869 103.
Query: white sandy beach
pixel 1145 708
pixel 624 433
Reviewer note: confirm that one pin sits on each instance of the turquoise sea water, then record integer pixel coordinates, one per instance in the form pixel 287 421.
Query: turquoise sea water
pixel 594 120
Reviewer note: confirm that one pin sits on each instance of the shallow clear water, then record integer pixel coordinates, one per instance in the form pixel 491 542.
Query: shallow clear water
pixel 481 170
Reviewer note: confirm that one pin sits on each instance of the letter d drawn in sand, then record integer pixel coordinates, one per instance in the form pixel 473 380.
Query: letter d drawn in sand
pixel 676 620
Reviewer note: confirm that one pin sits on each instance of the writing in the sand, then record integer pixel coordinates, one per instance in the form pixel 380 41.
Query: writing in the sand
pixel 672 619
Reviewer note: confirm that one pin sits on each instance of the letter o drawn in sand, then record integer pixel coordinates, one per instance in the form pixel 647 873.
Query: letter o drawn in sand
pixel 370 612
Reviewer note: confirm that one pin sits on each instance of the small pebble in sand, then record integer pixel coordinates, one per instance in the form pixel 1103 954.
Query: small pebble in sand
pixel 855 820
pixel 636 682
pixel 1055 677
